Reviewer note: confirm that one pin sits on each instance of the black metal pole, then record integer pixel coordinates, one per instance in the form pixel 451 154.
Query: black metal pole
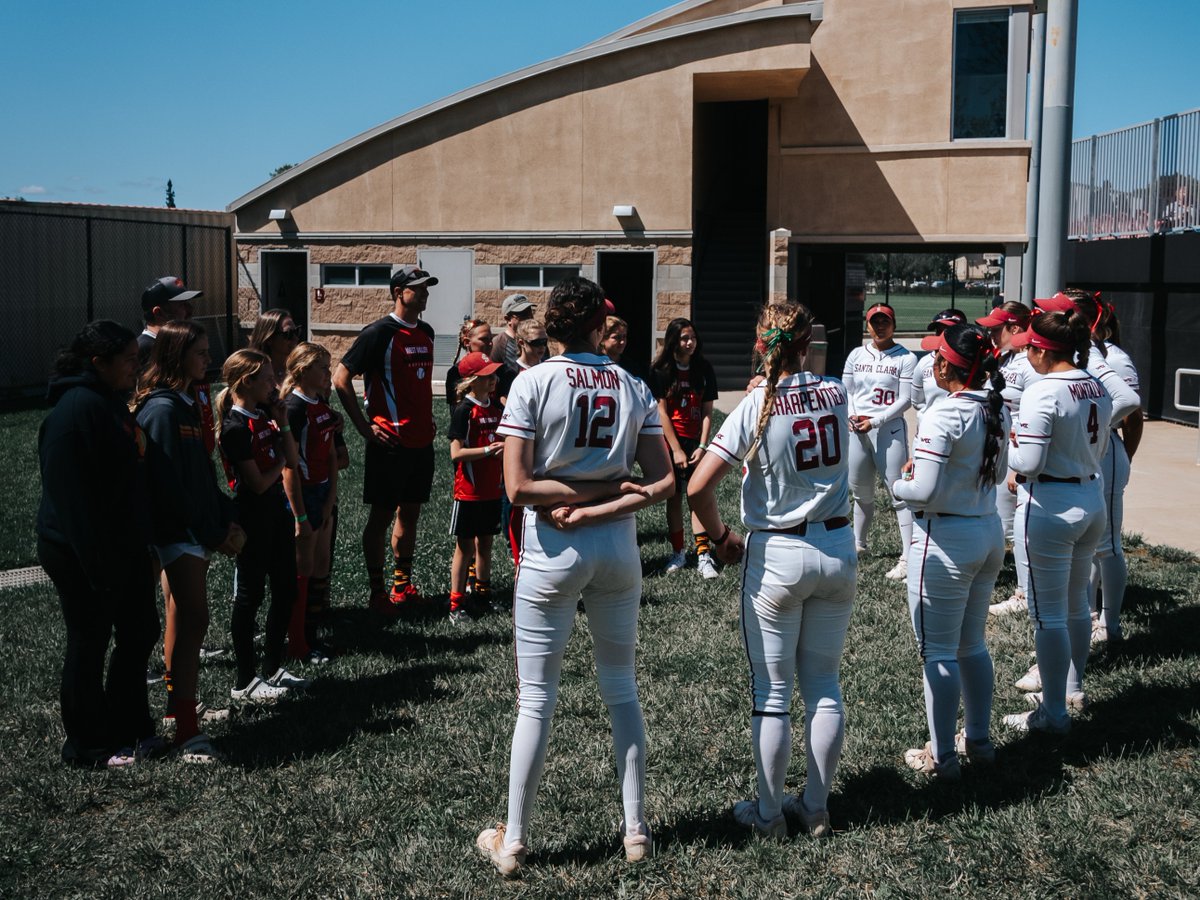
pixel 91 299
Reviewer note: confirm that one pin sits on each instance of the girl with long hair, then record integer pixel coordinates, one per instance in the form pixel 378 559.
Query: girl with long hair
pixel 191 517
pixel 311 489
pixel 93 527
pixel 275 334
pixel 684 384
pixel 574 427
pixel 475 336
pixel 879 379
pixel 1061 433
pixel 958 544
pixel 788 436
pixel 256 441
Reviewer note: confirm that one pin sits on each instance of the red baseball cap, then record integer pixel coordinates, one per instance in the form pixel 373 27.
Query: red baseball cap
pixel 1001 316
pixel 880 309
pixel 477 363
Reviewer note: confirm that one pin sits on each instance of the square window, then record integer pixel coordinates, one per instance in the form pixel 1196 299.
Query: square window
pixel 552 275
pixel 340 275
pixel 522 276
pixel 981 51
pixel 375 276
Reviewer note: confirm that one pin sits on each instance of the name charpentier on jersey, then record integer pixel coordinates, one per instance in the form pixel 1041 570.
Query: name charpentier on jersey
pixel 586 379
pixel 795 401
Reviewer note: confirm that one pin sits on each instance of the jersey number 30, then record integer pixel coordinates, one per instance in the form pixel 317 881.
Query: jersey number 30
pixel 823 433
pixel 596 415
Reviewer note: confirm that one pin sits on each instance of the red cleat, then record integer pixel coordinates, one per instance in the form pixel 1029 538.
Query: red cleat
pixel 408 599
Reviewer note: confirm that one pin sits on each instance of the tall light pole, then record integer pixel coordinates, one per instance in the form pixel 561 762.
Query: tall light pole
pixel 1054 197
pixel 1037 74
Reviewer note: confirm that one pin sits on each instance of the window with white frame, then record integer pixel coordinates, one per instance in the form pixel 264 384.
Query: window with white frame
pixel 354 275
pixel 981 73
pixel 535 277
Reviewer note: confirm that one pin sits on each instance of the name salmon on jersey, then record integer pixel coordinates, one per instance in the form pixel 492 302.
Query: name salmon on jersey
pixel 589 379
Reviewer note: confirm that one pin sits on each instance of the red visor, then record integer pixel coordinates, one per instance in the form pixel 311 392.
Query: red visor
pixel 937 343
pixel 1057 303
pixel 1000 316
pixel 881 311
pixel 1031 338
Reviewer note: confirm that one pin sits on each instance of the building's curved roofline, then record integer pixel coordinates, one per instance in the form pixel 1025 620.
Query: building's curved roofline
pixel 676 9
pixel 608 47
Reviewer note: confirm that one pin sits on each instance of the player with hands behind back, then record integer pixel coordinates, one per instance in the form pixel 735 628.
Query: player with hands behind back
pixel 789 435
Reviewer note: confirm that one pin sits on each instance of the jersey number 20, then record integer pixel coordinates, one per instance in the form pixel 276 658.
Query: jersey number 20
pixel 596 414
pixel 824 432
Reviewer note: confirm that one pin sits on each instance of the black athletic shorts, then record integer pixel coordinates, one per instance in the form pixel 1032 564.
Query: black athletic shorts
pixel 472 518
pixel 682 474
pixel 395 475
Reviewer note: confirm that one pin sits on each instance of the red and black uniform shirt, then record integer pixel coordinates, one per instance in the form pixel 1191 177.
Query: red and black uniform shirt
pixel 311 420
pixel 203 397
pixel 247 435
pixel 474 425
pixel 395 359
pixel 686 395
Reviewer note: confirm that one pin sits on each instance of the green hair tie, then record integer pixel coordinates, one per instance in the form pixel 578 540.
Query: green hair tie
pixel 772 339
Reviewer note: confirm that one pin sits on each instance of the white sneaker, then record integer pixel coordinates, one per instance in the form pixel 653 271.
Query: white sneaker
pixel 899 571
pixel 1038 720
pixel 637 841
pixel 1076 702
pixel 1030 681
pixel 923 760
pixel 706 566
pixel 1015 603
pixel 746 813
pixel 258 691
pixel 815 823
pixel 507 860
pixel 676 562
pixel 1099 631
pixel 285 679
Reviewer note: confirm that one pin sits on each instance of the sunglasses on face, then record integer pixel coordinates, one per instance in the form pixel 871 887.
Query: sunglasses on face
pixel 292 334
pixel 540 343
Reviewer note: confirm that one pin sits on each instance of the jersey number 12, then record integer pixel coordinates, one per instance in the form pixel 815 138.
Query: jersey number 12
pixel 596 414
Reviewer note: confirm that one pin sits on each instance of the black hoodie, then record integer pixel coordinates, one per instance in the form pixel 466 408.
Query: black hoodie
pixel 185 503
pixel 94 497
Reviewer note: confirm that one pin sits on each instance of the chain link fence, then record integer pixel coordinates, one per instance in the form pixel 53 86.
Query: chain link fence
pixel 62 269
pixel 1138 180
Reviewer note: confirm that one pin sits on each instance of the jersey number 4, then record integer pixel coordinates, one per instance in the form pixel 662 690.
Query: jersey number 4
pixel 596 416
pixel 1093 425
pixel 823 434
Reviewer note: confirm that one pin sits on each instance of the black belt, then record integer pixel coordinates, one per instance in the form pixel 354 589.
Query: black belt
pixel 802 529
pixel 921 514
pixel 1050 479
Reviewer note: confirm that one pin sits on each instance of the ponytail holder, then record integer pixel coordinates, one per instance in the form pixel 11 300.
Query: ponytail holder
pixel 772 339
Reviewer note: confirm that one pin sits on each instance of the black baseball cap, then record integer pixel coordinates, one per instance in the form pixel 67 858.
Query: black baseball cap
pixel 168 289
pixel 412 276
pixel 948 317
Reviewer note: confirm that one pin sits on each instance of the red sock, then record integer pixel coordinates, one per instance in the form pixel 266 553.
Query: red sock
pixel 457 600
pixel 186 726
pixel 297 645
pixel 677 540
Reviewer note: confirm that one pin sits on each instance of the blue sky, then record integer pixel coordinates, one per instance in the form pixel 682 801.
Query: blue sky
pixel 103 102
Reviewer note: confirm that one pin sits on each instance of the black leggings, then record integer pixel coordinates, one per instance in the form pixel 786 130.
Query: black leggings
pixel 269 555
pixel 97 713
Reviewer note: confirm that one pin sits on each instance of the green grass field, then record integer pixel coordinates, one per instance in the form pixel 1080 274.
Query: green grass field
pixel 376 782
pixel 914 312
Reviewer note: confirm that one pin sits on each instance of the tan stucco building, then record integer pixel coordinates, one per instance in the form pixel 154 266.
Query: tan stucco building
pixel 697 162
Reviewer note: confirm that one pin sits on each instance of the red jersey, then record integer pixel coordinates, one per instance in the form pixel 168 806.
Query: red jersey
pixel 475 424
pixel 203 397
pixel 247 435
pixel 311 420
pixel 395 359
pixel 686 395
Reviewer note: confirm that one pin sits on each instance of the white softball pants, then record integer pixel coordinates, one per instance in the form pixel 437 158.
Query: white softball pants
pixel 1057 528
pixel 952 567
pixel 878 453
pixel 797 596
pixel 1110 572
pixel 601 565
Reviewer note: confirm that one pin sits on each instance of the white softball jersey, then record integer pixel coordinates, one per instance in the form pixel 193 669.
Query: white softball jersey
pixel 1062 426
pixel 1124 398
pixel 925 390
pixel 1122 364
pixel 586 414
pixel 800 472
pixel 1018 375
pixel 879 383
pixel 952 435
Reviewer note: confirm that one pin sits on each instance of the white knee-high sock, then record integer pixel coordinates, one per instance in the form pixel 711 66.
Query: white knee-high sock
pixel 942 691
pixel 1080 631
pixel 1054 658
pixel 1114 572
pixel 629 748
pixel 531 736
pixel 772 737
pixel 978 686
pixel 864 512
pixel 825 729
pixel 904 518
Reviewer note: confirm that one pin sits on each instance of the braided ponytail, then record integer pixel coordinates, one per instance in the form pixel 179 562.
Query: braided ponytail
pixel 784 331
pixel 993 420
pixel 973 344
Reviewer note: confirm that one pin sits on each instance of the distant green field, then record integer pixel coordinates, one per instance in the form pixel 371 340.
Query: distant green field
pixel 914 311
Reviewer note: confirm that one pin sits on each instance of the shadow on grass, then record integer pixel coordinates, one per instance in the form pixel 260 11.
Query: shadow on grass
pixel 1141 720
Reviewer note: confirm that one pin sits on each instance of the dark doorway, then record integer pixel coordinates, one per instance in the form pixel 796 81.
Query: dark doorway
pixel 729 227
pixel 628 281
pixel 285 284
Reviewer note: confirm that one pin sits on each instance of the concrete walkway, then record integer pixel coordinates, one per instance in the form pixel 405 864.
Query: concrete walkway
pixel 1162 502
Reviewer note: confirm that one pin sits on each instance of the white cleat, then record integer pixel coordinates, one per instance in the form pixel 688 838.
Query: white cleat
pixel 1038 720
pixel 1015 603
pixel 1030 681
pixel 676 562
pixel 706 567
pixel 1076 702
pixel 745 812
pixel 898 572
